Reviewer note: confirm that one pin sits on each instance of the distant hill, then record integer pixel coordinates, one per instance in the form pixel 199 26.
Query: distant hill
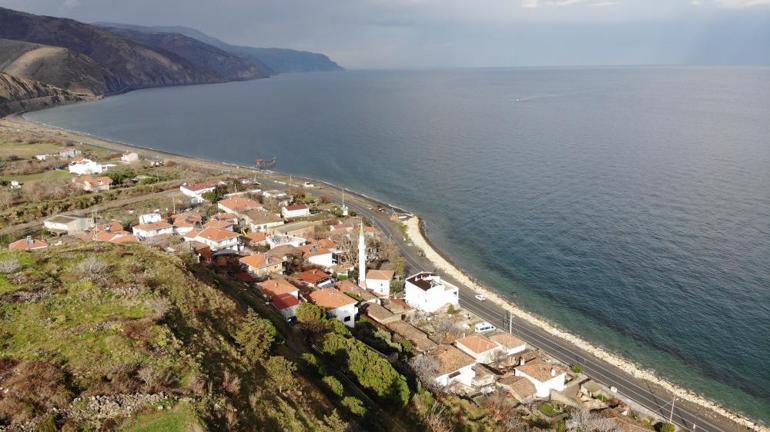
pixel 279 60
pixel 123 63
pixel 19 94
pixel 57 66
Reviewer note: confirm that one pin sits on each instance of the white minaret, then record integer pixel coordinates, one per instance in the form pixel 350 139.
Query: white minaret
pixel 361 258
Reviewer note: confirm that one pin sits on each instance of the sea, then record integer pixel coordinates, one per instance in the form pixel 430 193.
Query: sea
pixel 628 205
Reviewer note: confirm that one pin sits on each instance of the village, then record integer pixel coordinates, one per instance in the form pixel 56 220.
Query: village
pixel 292 246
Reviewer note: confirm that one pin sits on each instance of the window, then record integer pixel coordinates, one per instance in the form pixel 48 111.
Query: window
pixel 454 374
pixel 346 319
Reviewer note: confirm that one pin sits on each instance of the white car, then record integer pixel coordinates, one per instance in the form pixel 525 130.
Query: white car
pixel 484 327
pixel 480 297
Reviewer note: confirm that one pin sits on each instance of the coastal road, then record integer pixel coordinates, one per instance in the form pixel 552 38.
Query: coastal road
pixel 686 415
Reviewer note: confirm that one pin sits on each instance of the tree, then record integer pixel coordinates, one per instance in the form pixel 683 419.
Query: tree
pixel 280 373
pixel 667 427
pixel 425 368
pixel 584 420
pixel 446 329
pixel 333 423
pixel 354 405
pixel 309 313
pixel 256 337
pixel 334 385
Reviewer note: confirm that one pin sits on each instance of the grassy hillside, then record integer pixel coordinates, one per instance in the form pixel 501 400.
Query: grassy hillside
pixel 19 94
pixel 57 66
pixel 104 337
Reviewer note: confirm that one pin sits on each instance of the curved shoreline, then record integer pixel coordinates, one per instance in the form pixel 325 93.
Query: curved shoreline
pixel 416 233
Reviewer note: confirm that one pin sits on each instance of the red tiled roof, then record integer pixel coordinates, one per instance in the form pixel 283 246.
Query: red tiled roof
pixel 259 260
pixel 240 204
pixel 312 276
pixel 330 298
pixel 380 274
pixel 296 207
pixel 276 287
pixel 197 187
pixel 24 244
pixel 216 234
pixel 153 226
pixel 476 343
pixel 284 301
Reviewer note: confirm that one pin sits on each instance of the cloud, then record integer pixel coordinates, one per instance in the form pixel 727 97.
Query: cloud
pixel 531 4
pixel 742 4
pixel 70 4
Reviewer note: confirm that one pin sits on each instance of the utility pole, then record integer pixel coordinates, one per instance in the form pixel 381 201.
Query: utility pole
pixel 510 322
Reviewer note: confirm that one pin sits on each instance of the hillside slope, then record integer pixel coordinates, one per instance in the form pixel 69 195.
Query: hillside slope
pixel 279 60
pixel 107 337
pixel 19 94
pixel 127 65
pixel 57 66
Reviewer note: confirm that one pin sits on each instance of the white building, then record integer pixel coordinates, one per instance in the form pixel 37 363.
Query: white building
pixel 427 292
pixel 479 347
pixel 215 238
pixel 286 304
pixel 319 256
pixel 149 218
pixel 295 211
pixel 509 344
pixel 281 240
pixel 196 190
pixel 150 230
pixel 336 304
pixel 69 224
pixel 453 365
pixel 129 158
pixel 85 166
pixel 544 376
pixel 379 281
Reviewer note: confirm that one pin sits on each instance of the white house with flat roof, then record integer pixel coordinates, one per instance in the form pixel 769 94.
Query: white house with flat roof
pixel 426 292
pixel 83 166
pixel 69 224
pixel 544 376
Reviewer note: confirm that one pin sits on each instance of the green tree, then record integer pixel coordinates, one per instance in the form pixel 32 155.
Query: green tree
pixel 308 313
pixel 370 370
pixel 354 405
pixel 333 423
pixel 334 385
pixel 120 175
pixel 255 337
pixel 280 373
pixel 667 427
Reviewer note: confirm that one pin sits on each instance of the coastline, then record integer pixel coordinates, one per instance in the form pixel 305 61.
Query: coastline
pixel 416 233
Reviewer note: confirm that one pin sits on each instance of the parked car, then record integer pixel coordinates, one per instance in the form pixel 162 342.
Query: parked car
pixel 480 297
pixel 484 327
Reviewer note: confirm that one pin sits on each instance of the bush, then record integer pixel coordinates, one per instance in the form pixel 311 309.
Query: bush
pixel 354 405
pixel 548 409
pixel 334 385
pixel 576 368
pixel 9 266
pixel 370 370
pixel 667 427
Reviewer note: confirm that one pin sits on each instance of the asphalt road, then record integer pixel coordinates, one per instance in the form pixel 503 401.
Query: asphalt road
pixel 686 415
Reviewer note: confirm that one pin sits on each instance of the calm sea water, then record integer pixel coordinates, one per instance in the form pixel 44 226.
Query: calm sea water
pixel 629 205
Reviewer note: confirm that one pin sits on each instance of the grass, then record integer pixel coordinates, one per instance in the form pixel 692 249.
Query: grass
pixel 548 410
pixel 50 175
pixel 181 418
pixel 25 151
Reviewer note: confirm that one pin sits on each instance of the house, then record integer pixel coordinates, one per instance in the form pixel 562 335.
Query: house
pixel 42 156
pixel 336 304
pixel 117 236
pixel 149 218
pixel 150 230
pixel 380 315
pixel 304 229
pixel 28 244
pixel 479 347
pixel 261 221
pixel 517 386
pixel 186 222
pixel 350 288
pixel 238 205
pixel 68 224
pixel 544 376
pixel 83 166
pixel 509 344
pixel 379 281
pixel 318 256
pixel 219 224
pixel 286 304
pixel 295 211
pixel 232 218
pixel 93 184
pixel 129 158
pixel 453 365
pixel 427 292
pixel 255 238
pixel 417 337
pixel 215 238
pixel 275 241
pixel 69 154
pixel 315 277
pixel 277 286
pixel 261 265
pixel 196 190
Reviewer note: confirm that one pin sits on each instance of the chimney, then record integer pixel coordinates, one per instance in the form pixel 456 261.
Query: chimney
pixel 522 361
pixel 553 372
pixel 29 242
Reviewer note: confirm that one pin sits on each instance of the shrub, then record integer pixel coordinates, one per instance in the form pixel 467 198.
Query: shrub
pixel 9 266
pixel 576 368
pixel 91 266
pixel 370 370
pixel 667 427
pixel 354 405
pixel 280 374
pixel 548 409
pixel 334 385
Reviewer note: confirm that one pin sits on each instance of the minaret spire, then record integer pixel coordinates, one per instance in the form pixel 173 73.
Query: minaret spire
pixel 361 257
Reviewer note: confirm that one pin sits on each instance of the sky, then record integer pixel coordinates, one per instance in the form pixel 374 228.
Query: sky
pixel 393 34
